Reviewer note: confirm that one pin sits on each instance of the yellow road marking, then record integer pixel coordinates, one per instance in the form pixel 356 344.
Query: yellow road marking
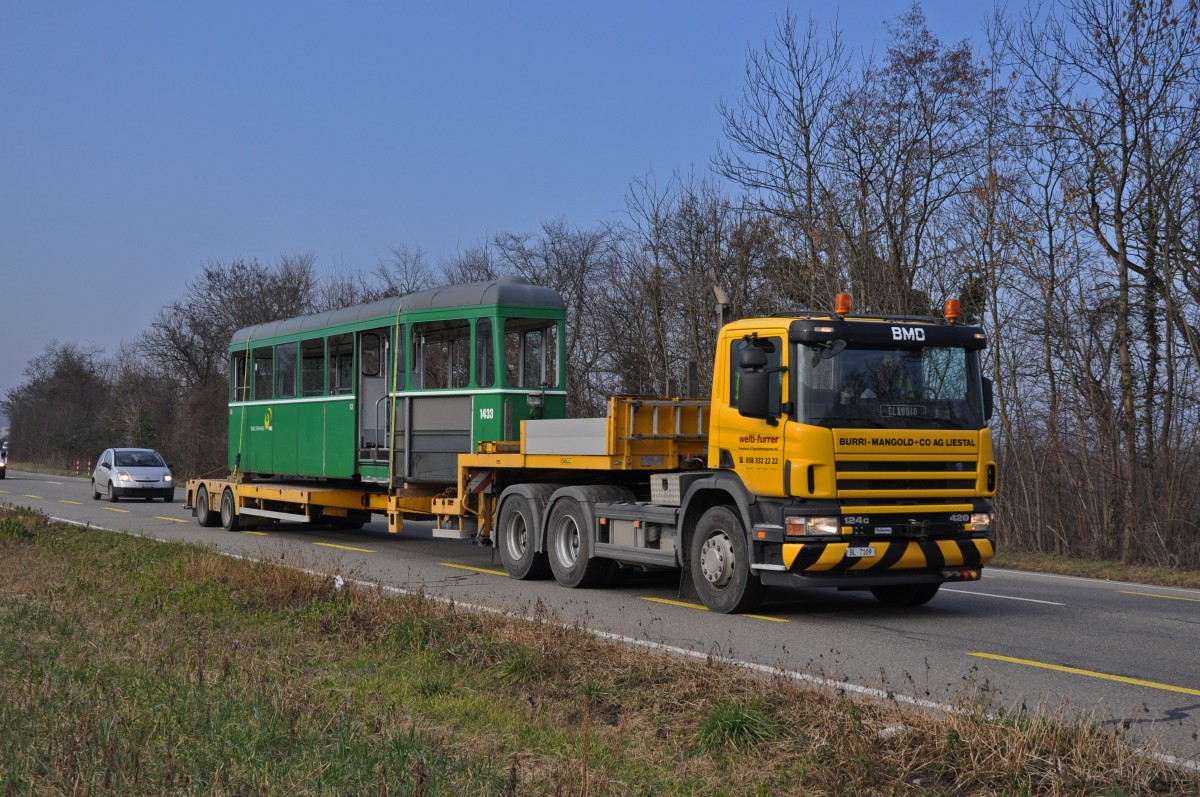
pixel 30 495
pixel 702 608
pixel 1089 673
pixel 344 547
pixel 64 501
pixel 172 519
pixel 475 569
pixel 258 533
pixel 6 492
pixel 1155 595
pixel 114 509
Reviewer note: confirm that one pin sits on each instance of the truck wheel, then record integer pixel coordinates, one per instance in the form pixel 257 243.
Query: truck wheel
pixel 720 562
pixel 516 529
pixel 229 516
pixel 204 515
pixel 905 594
pixel 569 546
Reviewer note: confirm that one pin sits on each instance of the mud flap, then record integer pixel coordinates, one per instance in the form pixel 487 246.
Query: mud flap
pixel 687 587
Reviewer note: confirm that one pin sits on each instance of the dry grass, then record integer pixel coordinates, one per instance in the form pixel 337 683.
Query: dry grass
pixel 133 667
pixel 1091 568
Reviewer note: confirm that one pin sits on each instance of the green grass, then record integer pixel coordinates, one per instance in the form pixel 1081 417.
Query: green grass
pixel 132 667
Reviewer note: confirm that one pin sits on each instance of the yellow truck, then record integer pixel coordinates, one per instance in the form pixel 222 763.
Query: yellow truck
pixel 835 451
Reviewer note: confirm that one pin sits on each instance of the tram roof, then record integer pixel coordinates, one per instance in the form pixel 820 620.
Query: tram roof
pixel 508 291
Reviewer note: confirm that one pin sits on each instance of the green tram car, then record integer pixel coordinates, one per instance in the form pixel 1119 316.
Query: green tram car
pixel 391 392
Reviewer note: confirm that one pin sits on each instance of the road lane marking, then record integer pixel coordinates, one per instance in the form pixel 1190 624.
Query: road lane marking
pixel 475 569
pixel 172 519
pixel 344 547
pixel 1154 595
pixel 1088 673
pixel 65 501
pixel 113 509
pixel 257 533
pixel 1005 597
pixel 31 495
pixel 703 608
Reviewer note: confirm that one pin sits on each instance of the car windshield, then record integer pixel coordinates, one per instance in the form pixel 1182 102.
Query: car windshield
pixel 927 388
pixel 139 459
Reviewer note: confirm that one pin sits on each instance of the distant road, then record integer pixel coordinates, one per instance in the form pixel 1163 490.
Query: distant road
pixel 1127 654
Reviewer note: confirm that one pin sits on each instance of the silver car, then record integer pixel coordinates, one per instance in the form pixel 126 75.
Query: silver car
pixel 132 472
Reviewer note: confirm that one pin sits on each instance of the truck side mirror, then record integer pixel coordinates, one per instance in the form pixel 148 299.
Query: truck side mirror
pixel 754 394
pixel 987 399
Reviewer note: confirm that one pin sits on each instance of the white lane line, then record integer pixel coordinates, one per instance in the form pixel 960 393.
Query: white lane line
pixel 1002 597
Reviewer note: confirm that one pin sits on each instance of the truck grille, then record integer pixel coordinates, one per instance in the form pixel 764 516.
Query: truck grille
pixel 885 482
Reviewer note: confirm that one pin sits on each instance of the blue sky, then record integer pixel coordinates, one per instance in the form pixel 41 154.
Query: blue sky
pixel 139 140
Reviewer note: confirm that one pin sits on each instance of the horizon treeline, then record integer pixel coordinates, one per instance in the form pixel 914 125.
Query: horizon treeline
pixel 1046 173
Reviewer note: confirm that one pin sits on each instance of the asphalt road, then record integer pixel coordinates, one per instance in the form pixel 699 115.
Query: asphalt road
pixel 1126 654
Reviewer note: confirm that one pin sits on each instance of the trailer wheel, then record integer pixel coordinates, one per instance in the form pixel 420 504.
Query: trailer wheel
pixel 720 563
pixel 204 515
pixel 515 528
pixel 229 515
pixel 905 594
pixel 569 546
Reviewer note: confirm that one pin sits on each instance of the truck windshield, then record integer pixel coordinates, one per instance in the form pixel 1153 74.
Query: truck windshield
pixel 929 388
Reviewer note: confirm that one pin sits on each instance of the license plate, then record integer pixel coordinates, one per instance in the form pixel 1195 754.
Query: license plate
pixel 860 553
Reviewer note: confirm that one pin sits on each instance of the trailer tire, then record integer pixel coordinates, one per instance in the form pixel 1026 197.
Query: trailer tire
pixel 204 514
pixel 569 545
pixel 905 594
pixel 229 515
pixel 719 558
pixel 516 529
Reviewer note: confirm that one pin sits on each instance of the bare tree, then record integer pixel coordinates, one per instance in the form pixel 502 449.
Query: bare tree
pixel 1114 86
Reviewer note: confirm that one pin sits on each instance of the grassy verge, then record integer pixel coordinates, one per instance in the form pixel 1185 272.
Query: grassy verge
pixel 130 667
pixel 1090 568
pixel 49 470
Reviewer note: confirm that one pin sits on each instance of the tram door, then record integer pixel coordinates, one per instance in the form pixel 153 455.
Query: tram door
pixel 374 410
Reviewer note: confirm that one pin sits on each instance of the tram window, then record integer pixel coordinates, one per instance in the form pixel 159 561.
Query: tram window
pixel 263 373
pixel 441 354
pixel 341 364
pixel 531 352
pixel 312 367
pixel 371 355
pixel 485 371
pixel 285 370
pixel 238 377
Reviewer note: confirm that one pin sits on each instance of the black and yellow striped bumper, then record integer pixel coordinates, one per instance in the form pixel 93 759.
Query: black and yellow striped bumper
pixel 812 558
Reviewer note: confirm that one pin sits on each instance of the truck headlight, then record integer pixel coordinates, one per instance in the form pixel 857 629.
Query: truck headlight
pixel 808 526
pixel 981 521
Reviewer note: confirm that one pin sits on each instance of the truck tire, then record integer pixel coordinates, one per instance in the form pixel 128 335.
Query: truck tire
pixel 204 515
pixel 905 594
pixel 516 529
pixel 568 544
pixel 719 558
pixel 229 515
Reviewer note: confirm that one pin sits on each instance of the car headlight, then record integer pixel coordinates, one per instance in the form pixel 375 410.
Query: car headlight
pixel 167 478
pixel 981 521
pixel 807 526
pixel 123 476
